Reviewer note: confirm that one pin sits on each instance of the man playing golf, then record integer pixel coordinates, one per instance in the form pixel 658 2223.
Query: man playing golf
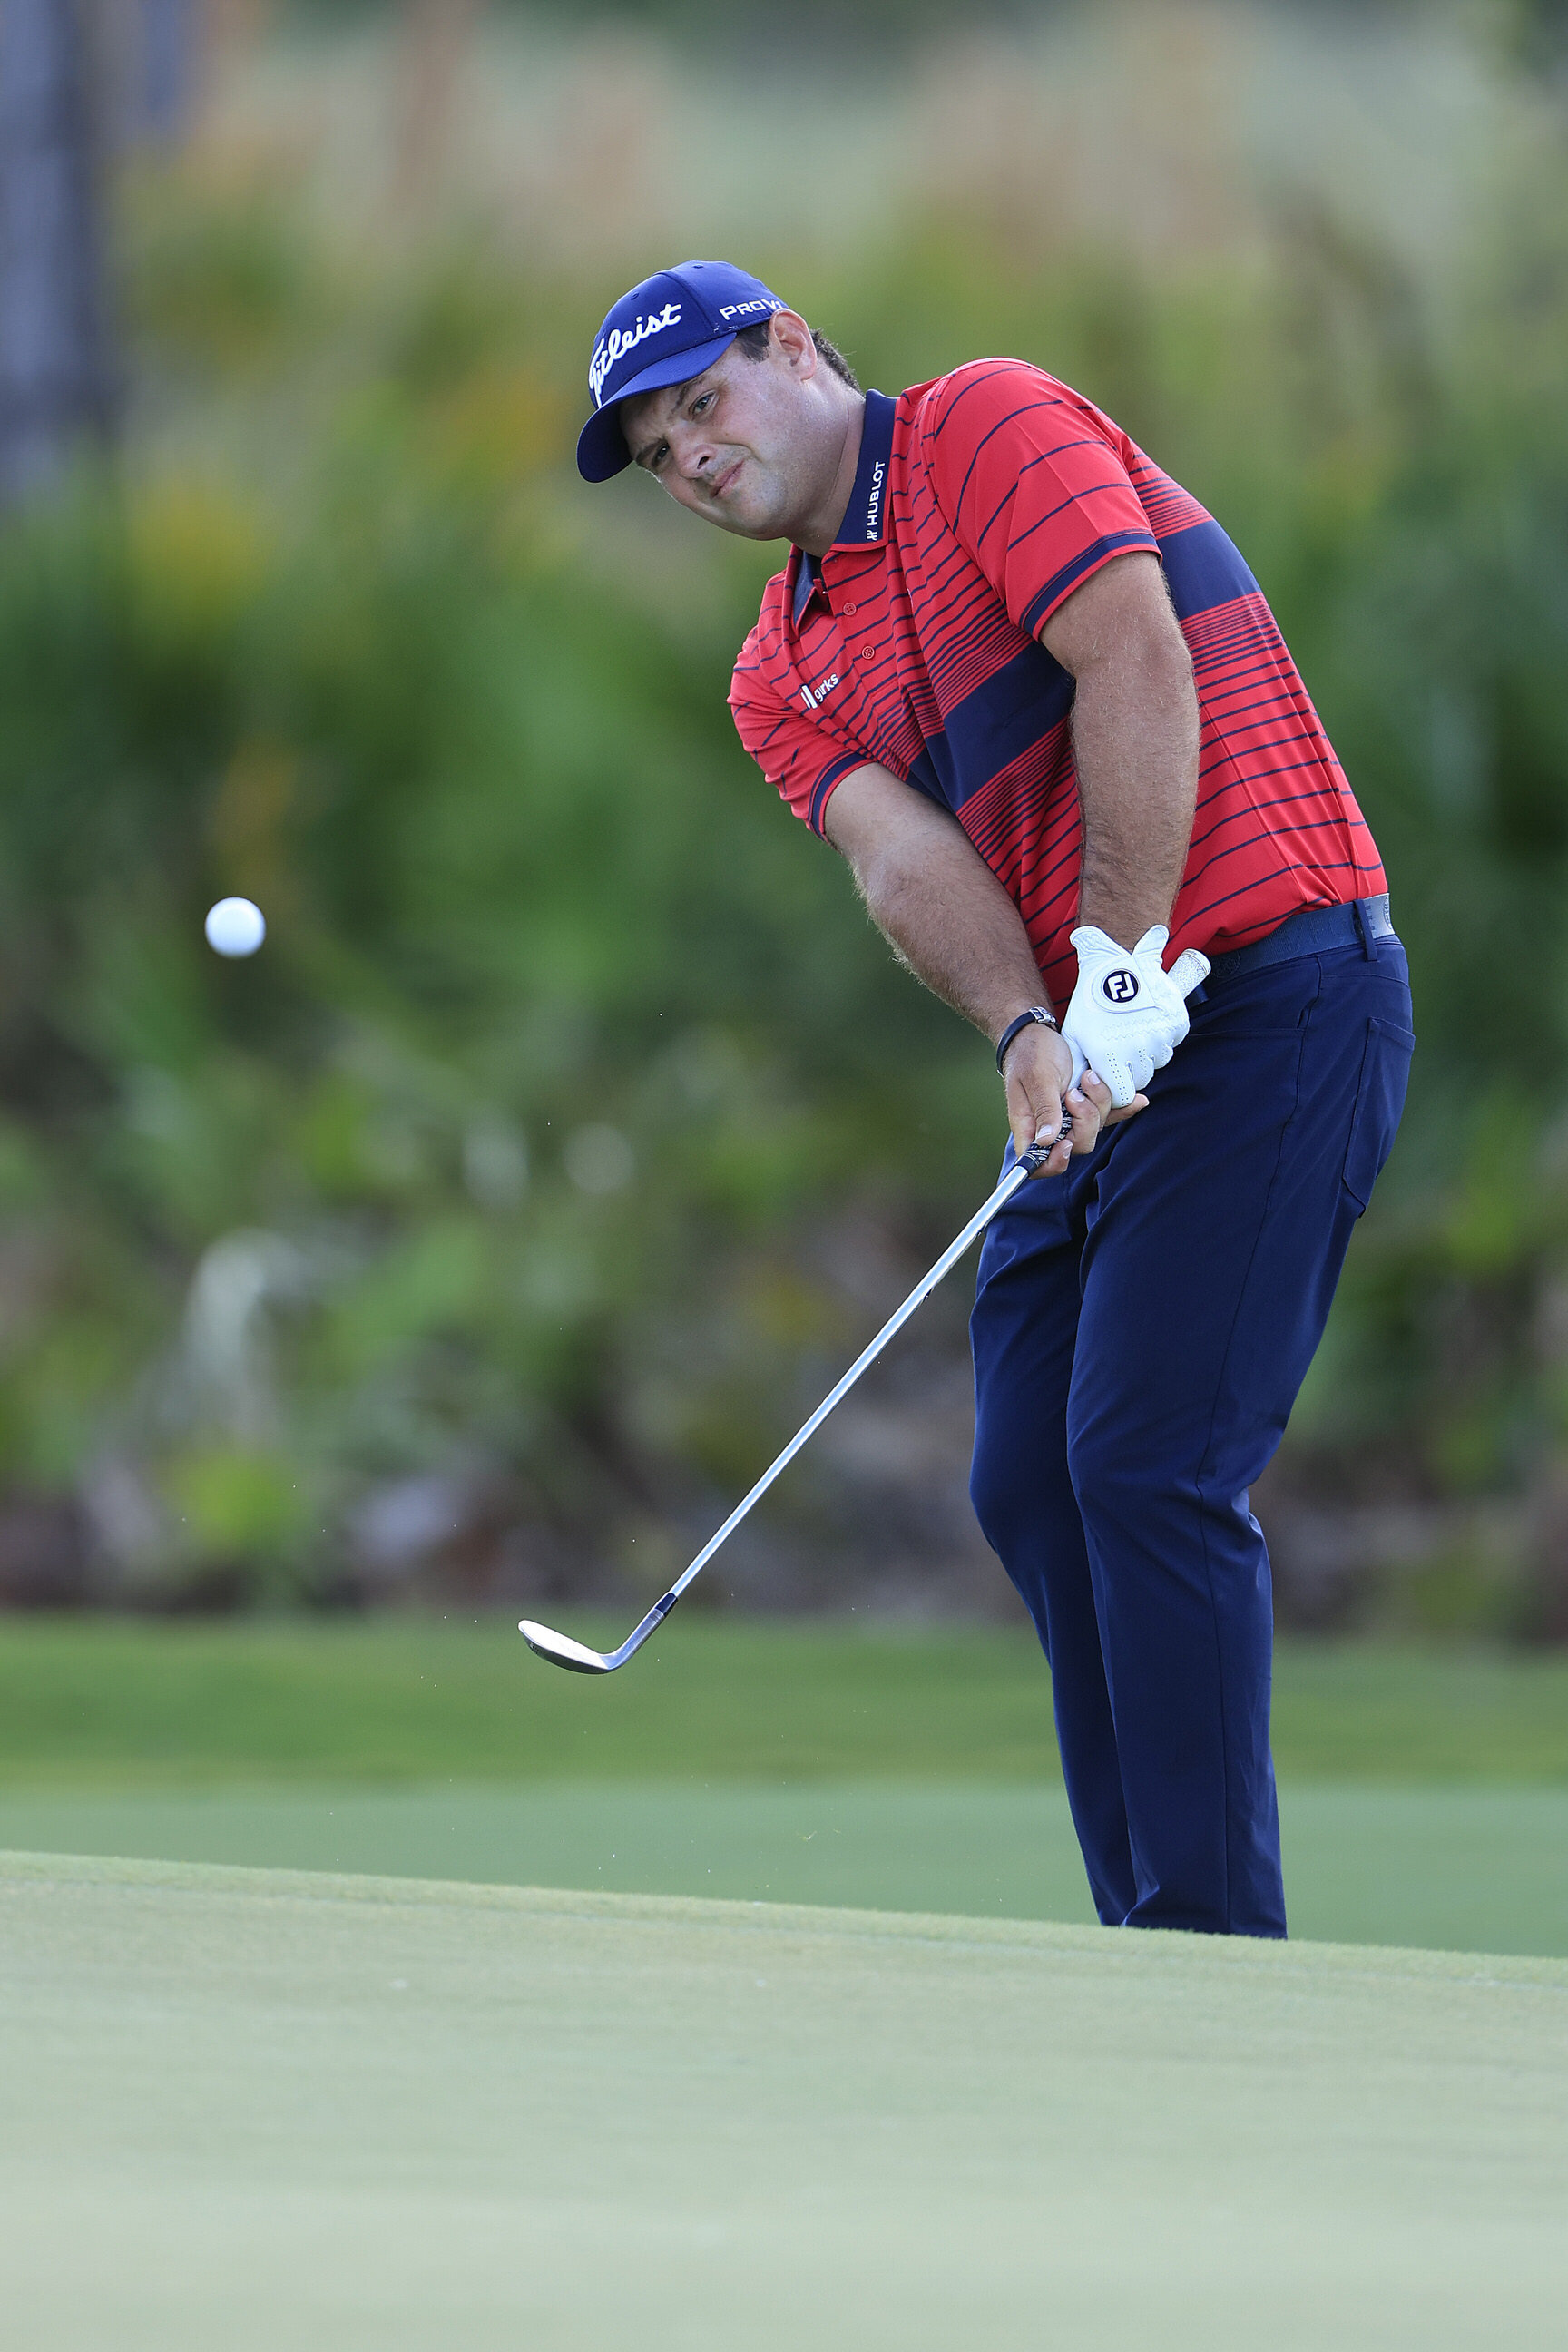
pixel 1029 689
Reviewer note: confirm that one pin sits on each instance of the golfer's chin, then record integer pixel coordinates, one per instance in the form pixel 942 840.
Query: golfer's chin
pixel 750 510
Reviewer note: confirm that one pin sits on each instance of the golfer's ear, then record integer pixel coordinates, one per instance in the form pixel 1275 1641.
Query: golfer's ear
pixel 792 337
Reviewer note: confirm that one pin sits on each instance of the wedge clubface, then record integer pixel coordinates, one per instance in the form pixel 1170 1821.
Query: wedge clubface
pixel 577 1659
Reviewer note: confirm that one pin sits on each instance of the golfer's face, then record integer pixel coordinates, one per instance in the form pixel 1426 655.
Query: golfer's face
pixel 732 445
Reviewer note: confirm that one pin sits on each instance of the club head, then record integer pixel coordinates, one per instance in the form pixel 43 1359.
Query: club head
pixel 560 1650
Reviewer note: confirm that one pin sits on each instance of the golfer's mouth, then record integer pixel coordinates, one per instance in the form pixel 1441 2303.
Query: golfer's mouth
pixel 717 489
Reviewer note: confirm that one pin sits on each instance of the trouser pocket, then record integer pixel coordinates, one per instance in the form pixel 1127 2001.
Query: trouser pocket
pixel 1379 1099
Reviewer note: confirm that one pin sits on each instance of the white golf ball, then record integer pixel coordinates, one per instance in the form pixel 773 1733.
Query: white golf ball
pixel 235 927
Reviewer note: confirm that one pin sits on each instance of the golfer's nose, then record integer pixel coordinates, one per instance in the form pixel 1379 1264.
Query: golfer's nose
pixel 695 453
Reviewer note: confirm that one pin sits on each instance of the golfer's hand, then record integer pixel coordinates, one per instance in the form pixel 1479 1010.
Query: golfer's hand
pixel 1040 1094
pixel 1127 1013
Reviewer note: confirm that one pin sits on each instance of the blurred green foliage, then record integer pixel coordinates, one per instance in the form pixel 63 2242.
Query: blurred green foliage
pixel 505 1154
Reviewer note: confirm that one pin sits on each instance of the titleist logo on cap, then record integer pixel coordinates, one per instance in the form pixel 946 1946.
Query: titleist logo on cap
pixel 622 339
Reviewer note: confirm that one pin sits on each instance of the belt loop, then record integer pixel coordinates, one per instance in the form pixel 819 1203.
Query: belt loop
pixel 1364 925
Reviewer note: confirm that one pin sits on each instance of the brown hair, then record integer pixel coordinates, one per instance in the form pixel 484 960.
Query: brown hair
pixel 754 341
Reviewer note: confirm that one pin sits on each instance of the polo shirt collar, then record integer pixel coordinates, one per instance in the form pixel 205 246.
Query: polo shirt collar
pixel 865 516
pixel 807 580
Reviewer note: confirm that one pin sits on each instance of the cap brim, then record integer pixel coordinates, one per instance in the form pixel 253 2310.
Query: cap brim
pixel 602 445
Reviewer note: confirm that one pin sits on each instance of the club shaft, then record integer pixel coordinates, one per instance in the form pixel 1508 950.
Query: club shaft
pixel 1010 1183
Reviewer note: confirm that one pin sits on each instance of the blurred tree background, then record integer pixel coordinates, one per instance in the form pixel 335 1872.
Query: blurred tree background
pixel 480 1238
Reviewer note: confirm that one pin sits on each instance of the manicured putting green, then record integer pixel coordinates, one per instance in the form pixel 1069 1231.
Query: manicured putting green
pixel 253 2109
pixel 1465 1869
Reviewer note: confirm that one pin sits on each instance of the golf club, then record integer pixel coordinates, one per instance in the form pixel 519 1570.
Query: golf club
pixel 560 1648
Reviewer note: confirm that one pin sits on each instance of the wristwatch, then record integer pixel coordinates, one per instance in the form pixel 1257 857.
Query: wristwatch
pixel 1040 1013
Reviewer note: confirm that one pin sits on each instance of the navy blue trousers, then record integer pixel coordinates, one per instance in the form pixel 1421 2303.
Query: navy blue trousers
pixel 1141 1331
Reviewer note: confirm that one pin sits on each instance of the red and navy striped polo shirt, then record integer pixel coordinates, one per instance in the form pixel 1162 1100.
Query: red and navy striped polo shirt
pixel 981 500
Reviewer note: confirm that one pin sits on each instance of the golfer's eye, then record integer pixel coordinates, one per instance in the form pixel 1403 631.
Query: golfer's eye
pixel 703 400
pixel 659 454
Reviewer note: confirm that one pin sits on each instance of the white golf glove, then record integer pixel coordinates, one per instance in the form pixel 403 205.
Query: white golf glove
pixel 1127 1013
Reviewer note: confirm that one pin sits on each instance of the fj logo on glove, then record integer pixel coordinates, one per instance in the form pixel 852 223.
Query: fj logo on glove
pixel 1127 1013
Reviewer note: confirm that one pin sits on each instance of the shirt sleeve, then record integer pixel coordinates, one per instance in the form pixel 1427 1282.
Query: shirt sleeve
pixel 1033 481
pixel 798 756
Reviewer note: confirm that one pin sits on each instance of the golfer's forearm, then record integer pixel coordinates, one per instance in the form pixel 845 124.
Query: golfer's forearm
pixel 947 917
pixel 1135 741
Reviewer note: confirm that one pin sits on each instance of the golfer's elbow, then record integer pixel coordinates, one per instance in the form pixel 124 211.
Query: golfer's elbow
pixel 1148 656
pixel 888 875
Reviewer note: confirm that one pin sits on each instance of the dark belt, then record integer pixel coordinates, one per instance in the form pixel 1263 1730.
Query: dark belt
pixel 1360 924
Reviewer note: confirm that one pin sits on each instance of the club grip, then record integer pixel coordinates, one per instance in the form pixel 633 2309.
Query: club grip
pixel 1040 1151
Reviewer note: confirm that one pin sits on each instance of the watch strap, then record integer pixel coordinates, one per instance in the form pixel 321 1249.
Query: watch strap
pixel 1040 1014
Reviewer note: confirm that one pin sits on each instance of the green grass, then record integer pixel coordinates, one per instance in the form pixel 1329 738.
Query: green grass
pixel 252 2109
pixel 1465 1869
pixel 88 1702
pixel 911 1770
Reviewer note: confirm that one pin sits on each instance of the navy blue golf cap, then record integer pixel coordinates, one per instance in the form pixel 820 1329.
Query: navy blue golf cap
pixel 665 331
